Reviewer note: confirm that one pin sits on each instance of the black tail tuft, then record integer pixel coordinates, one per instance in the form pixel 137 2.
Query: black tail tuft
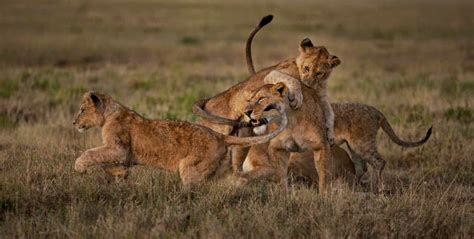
pixel 265 20
pixel 428 133
pixel 427 136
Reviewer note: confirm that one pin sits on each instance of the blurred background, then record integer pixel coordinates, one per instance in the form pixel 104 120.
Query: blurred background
pixel 413 60
pixel 397 46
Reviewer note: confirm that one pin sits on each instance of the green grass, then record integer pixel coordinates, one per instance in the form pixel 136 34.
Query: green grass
pixel 461 114
pixel 8 88
pixel 187 40
pixel 411 59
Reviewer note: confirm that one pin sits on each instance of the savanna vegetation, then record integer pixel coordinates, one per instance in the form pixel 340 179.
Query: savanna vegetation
pixel 413 60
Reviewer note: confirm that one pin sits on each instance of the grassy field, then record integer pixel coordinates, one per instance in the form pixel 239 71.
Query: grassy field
pixel 414 60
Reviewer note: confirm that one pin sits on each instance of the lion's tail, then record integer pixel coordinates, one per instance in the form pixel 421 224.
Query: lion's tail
pixel 389 130
pixel 198 109
pixel 249 141
pixel 248 47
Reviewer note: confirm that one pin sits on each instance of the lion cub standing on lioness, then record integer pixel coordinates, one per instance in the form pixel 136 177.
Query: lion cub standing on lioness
pixel 196 152
pixel 314 64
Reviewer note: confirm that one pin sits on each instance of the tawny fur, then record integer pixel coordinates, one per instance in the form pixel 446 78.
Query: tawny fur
pixel 224 112
pixel 319 64
pixel 356 124
pixel 303 170
pixel 303 131
pixel 301 167
pixel 196 152
pixel 315 64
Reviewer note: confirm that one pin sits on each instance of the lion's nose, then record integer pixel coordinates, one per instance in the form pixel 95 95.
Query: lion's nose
pixel 248 113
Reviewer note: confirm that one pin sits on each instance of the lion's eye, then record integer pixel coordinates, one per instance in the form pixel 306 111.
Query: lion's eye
pixel 306 69
pixel 320 74
pixel 268 108
pixel 260 100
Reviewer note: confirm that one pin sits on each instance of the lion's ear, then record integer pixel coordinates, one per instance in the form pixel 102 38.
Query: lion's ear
pixel 95 99
pixel 305 45
pixel 334 61
pixel 279 89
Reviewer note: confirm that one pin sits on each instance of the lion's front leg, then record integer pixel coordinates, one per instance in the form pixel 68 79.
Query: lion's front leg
pixel 294 86
pixel 240 153
pixel 105 155
pixel 321 160
pixel 328 114
pixel 280 157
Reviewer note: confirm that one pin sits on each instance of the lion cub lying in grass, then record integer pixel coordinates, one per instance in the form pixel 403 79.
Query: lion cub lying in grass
pixel 196 152
pixel 356 124
pixel 300 169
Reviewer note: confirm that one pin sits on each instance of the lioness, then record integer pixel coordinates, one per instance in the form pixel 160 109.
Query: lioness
pixel 304 132
pixel 225 112
pixel 196 152
pixel 356 124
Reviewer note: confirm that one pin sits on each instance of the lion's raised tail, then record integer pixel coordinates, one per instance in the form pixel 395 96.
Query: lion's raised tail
pixel 249 141
pixel 389 130
pixel 248 47
pixel 198 107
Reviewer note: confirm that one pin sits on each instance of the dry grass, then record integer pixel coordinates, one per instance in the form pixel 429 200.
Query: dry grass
pixel 412 60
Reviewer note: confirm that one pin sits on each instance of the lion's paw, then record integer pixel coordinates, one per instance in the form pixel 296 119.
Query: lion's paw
pixel 80 166
pixel 296 100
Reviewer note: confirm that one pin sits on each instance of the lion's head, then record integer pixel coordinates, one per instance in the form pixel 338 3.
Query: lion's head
pixel 314 63
pixel 91 112
pixel 264 101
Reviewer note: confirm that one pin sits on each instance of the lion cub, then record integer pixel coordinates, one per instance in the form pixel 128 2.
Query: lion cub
pixel 196 152
pixel 314 64
pixel 356 124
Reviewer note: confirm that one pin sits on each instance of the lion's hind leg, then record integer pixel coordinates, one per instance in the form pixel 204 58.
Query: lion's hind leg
pixel 368 152
pixel 202 165
pixel 360 165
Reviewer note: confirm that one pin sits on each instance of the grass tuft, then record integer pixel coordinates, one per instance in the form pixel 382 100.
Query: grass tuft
pixel 461 114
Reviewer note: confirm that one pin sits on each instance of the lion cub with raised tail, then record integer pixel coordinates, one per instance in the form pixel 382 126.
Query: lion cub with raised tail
pixel 196 152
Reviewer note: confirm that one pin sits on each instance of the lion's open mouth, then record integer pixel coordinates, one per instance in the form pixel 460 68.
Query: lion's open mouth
pixel 258 122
